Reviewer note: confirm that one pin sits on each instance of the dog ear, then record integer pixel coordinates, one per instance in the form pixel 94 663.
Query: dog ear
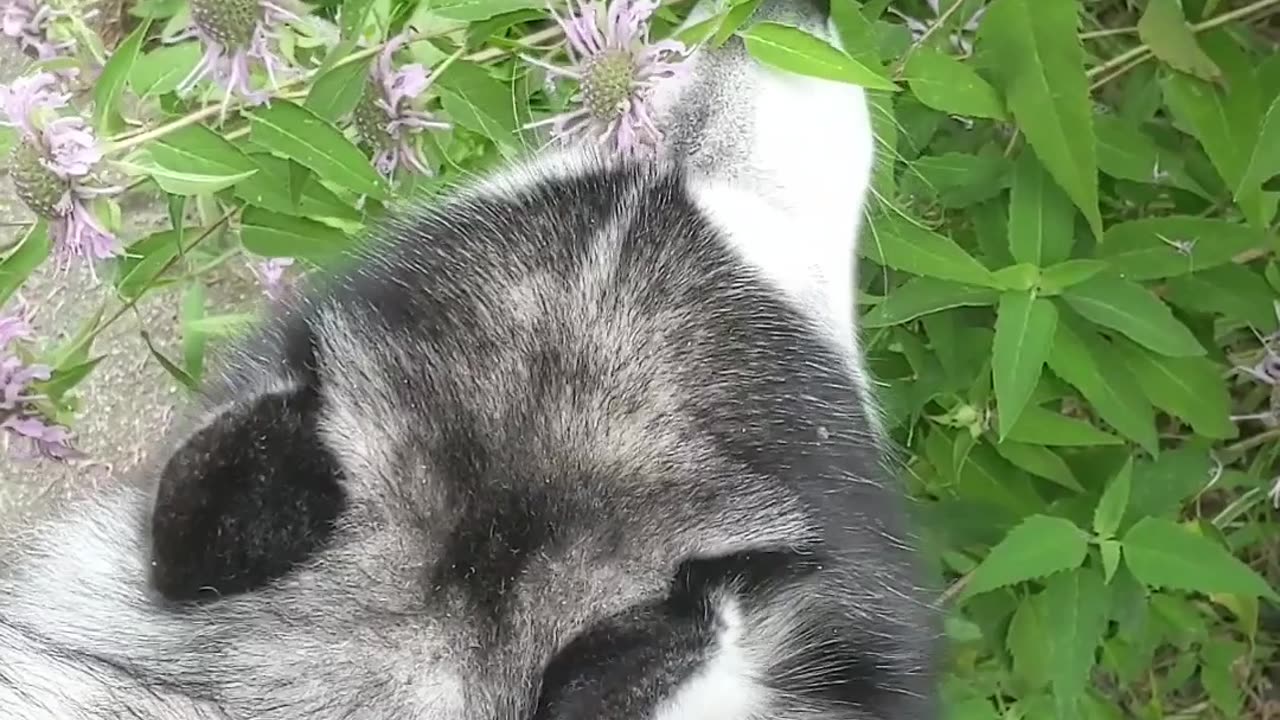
pixel 245 499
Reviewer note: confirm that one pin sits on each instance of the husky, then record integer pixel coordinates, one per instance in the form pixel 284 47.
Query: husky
pixel 591 438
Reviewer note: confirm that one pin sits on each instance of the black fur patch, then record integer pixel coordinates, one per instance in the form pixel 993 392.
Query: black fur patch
pixel 244 500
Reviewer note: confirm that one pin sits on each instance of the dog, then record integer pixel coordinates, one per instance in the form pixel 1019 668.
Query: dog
pixel 587 438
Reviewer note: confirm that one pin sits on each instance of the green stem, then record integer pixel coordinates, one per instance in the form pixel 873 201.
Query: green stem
pixel 1131 58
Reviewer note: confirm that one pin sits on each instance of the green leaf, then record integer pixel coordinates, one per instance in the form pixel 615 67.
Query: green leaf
pixel 1226 124
pixel 742 12
pixel 475 100
pixel 1162 554
pixel 199 150
pixel 1041 216
pixel 1264 162
pixel 1189 388
pixel 1127 153
pixel 303 136
pixel 338 90
pixel 1234 292
pixel 1164 29
pixel 1027 639
pixel 272 234
pixel 1115 500
pixel 29 253
pixel 1055 279
pixel 163 69
pixel 959 179
pixel 899 243
pixel 1110 550
pixel 1038 426
pixel 794 50
pixel 169 366
pixel 922 296
pixel 1083 359
pixel 1034 48
pixel 111 81
pixel 193 341
pixel 1160 487
pixel 1038 547
pixel 1134 311
pixel 1148 249
pixel 223 325
pixel 271 189
pixel 472 10
pixel 1040 461
pixel 1076 604
pixel 354 13
pixel 948 85
pixel 1025 326
pixel 144 261
pixel 65 380
pixel 178 182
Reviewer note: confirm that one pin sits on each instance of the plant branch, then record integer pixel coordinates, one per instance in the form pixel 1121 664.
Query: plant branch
pixel 927 35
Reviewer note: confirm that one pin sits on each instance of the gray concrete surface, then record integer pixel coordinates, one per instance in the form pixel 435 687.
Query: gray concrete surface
pixel 129 398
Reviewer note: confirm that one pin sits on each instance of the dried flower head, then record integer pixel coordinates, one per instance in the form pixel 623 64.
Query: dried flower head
pixel 30 24
pixel 235 34
pixel 386 117
pixel 27 434
pixel 50 166
pixel 617 69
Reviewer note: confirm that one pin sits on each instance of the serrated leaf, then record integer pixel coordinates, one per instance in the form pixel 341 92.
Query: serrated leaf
pixel 1226 124
pixel 922 296
pixel 1041 216
pixel 1164 29
pixel 1041 545
pixel 959 179
pixel 273 235
pixel 1127 153
pixel 1148 249
pixel 1038 426
pixel 794 50
pixel 1115 500
pixel 27 255
pixel 1077 604
pixel 1034 47
pixel 1186 387
pixel 301 135
pixel 1025 326
pixel 112 79
pixel 144 260
pixel 1084 360
pixel 1040 461
pixel 946 84
pixel 901 244
pixel 1134 311
pixel 1162 486
pixel 338 90
pixel 1161 553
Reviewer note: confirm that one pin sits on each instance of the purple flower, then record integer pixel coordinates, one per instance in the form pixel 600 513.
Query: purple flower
pixel 35 436
pixel 270 275
pixel 617 69
pixel 235 34
pixel 386 118
pixel 28 22
pixel 50 165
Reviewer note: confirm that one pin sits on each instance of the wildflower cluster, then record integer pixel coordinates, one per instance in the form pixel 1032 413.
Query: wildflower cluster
pixel 51 166
pixel 30 24
pixel 27 433
pixel 617 69
pixel 386 118
pixel 237 35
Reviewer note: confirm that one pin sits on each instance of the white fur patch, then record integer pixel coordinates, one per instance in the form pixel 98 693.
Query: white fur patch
pixel 726 687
